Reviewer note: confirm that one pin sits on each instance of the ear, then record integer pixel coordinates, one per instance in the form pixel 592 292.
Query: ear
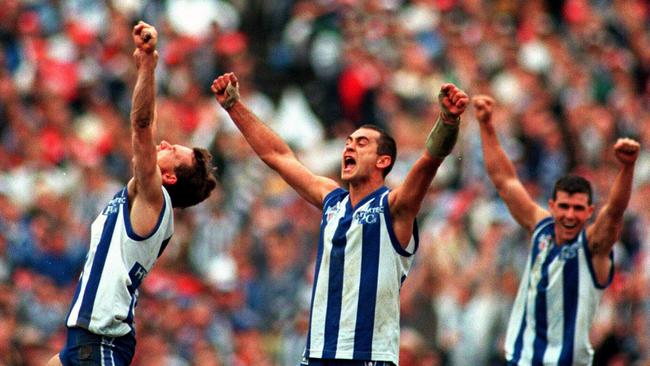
pixel 590 210
pixel 551 207
pixel 169 178
pixel 383 161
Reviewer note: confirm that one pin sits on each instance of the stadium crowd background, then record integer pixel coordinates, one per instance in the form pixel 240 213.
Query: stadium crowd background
pixel 233 288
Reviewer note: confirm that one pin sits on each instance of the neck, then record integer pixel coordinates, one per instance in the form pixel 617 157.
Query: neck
pixel 360 190
pixel 560 240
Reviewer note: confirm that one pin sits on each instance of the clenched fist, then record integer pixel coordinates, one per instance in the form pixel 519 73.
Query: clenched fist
pixel 145 38
pixel 452 102
pixel 626 150
pixel 483 107
pixel 226 90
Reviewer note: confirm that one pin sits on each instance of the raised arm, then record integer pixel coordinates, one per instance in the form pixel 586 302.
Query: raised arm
pixel 145 192
pixel 406 199
pixel 606 229
pixel 501 170
pixel 270 147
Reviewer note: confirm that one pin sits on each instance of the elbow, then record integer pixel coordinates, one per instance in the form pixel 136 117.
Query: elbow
pixel 141 121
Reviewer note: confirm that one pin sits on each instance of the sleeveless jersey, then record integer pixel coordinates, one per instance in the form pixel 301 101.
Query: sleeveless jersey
pixel 117 262
pixel 555 306
pixel 360 268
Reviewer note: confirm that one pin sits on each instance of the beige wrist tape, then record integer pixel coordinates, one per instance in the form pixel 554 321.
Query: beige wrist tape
pixel 232 96
pixel 442 139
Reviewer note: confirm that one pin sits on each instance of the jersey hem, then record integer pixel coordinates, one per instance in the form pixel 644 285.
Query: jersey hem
pixel 361 356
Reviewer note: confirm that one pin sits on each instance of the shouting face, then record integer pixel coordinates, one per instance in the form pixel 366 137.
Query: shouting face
pixel 360 157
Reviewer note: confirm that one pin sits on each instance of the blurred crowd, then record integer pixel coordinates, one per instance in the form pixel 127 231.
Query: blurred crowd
pixel 233 288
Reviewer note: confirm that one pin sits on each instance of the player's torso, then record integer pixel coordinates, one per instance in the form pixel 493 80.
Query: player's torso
pixel 359 271
pixel 118 260
pixel 555 304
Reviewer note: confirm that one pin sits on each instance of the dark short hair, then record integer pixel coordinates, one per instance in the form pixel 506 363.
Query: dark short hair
pixel 573 184
pixel 193 182
pixel 385 146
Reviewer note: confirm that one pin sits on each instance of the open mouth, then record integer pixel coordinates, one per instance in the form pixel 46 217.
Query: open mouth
pixel 570 226
pixel 348 163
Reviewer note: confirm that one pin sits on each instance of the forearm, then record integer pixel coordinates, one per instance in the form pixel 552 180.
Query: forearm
pixel 442 138
pixel 143 103
pixel 498 165
pixel 264 141
pixel 619 194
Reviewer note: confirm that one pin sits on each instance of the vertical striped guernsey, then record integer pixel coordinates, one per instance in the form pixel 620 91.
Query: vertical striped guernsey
pixel 117 262
pixel 360 268
pixel 556 303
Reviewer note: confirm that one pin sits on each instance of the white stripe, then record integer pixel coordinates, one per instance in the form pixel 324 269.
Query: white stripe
pixel 350 291
pixel 98 224
pixel 535 277
pixel 554 311
pixel 319 305
pixel 588 299
pixel 517 313
pixel 390 269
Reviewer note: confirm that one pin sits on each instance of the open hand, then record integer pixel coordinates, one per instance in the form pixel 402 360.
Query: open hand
pixel 452 102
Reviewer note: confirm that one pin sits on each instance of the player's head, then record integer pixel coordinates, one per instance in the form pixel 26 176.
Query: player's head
pixel 369 149
pixel 186 172
pixel 571 206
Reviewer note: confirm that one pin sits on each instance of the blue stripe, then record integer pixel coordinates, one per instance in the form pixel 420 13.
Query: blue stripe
pixel 96 270
pixel 571 285
pixel 538 232
pixel 74 298
pixel 319 258
pixel 541 320
pixel 129 317
pixel 519 342
pixel 335 284
pixel 363 330
pixel 163 246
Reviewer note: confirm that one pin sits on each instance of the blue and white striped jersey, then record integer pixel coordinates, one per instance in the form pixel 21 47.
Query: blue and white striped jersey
pixel 117 262
pixel 360 268
pixel 555 306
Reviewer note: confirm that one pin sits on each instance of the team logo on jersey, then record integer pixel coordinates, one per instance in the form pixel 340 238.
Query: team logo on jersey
pixel 368 216
pixel 331 211
pixel 137 274
pixel 569 251
pixel 545 241
pixel 113 206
